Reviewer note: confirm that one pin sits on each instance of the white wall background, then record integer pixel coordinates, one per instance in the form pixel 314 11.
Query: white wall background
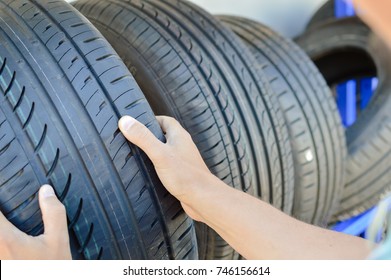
pixel 288 17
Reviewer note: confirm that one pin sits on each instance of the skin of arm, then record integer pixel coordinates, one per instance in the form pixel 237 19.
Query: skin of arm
pixel 376 13
pixel 252 227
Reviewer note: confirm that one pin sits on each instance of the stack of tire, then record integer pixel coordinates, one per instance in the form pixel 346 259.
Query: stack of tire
pixel 63 90
pixel 261 114
pixel 345 49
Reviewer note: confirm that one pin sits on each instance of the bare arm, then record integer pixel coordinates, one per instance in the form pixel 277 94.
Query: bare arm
pixel 255 229
pixel 259 231
pixel 377 14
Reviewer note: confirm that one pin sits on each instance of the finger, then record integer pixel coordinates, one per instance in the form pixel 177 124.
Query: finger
pixel 141 136
pixel 173 130
pixel 53 212
pixel 170 126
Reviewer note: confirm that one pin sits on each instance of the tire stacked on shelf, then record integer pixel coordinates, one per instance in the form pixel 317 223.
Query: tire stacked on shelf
pixel 193 68
pixel 346 49
pixel 324 13
pixel 315 130
pixel 63 89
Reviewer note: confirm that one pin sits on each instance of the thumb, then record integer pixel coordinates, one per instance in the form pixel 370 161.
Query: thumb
pixel 141 136
pixel 53 212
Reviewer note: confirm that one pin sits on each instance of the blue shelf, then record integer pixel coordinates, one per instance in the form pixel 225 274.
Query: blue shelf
pixel 346 102
pixel 353 96
pixel 358 225
pixel 344 8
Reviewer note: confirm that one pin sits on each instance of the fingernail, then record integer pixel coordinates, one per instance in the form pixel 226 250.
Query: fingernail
pixel 127 122
pixel 47 191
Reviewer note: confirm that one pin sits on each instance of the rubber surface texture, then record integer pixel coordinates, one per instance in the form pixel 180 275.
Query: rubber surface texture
pixel 342 50
pixel 63 89
pixel 193 68
pixel 315 130
pixel 325 13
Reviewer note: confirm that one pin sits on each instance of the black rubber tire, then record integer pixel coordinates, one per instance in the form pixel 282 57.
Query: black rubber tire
pixel 325 13
pixel 207 81
pixel 315 129
pixel 63 90
pixel 342 50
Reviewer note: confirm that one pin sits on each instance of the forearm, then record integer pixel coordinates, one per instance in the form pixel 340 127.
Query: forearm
pixel 259 231
pixel 377 14
pixel 252 227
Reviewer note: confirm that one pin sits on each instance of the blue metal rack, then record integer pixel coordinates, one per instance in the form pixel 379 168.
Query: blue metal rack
pixel 358 225
pixel 348 93
pixel 344 8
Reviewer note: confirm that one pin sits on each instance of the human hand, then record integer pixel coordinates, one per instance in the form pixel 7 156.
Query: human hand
pixel 178 162
pixel 53 244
